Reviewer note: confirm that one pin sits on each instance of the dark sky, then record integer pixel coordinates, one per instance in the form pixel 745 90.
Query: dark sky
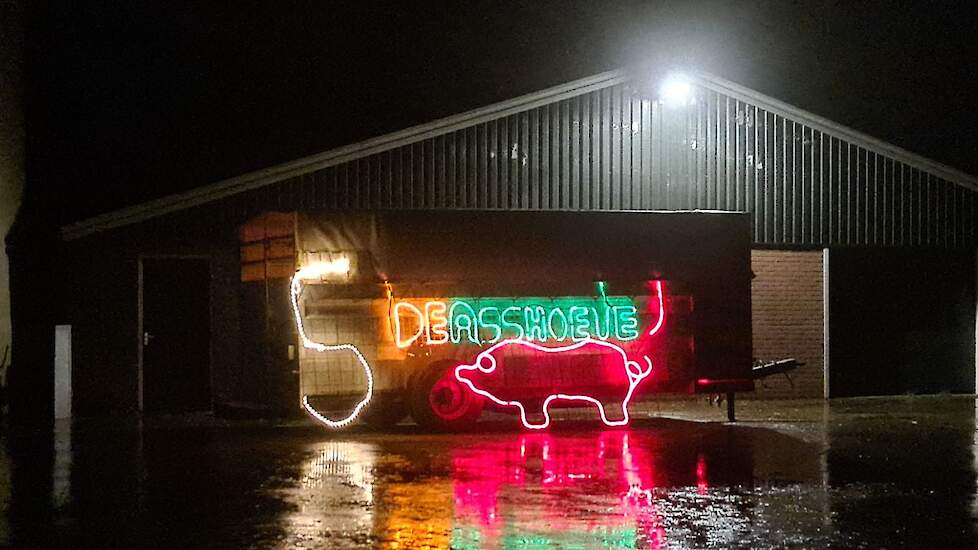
pixel 133 100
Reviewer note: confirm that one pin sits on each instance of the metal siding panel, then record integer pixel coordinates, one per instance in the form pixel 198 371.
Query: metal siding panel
pixel 877 195
pixel 472 167
pixel 917 205
pixel 615 149
pixel 461 169
pixel 521 162
pixel 510 155
pixel 576 139
pixel 450 182
pixel 593 142
pixel 767 190
pixel 626 151
pixel 782 168
pixel 729 161
pixel 656 170
pixel 357 184
pixel 791 222
pixel 492 164
pixel 751 171
pixel 640 151
pixel 603 137
pixel 546 160
pixel 694 180
pixel 849 197
pixel 533 187
pixel 482 166
pixel 707 195
pixel 633 158
pixel 739 154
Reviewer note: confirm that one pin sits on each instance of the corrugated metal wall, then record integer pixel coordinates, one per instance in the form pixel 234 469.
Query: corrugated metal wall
pixel 615 149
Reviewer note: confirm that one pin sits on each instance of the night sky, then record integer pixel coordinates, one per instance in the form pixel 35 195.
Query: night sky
pixel 135 100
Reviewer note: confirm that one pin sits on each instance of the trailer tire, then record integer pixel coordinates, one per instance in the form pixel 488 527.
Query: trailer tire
pixel 439 402
pixel 384 414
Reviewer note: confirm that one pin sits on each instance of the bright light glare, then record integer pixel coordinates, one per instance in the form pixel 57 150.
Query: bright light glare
pixel 675 90
pixel 338 266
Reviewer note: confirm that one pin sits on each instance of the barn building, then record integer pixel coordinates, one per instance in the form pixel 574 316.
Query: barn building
pixel 863 253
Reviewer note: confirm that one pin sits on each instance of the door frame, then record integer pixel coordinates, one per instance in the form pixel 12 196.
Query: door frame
pixel 141 326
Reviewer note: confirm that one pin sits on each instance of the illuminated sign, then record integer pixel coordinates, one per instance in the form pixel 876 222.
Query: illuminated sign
pixel 504 324
pixel 485 321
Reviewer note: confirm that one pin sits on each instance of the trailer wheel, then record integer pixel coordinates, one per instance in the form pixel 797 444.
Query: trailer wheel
pixel 440 402
pixel 384 414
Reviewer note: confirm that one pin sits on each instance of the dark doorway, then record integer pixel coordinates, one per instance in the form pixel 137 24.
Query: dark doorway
pixel 176 335
pixel 901 321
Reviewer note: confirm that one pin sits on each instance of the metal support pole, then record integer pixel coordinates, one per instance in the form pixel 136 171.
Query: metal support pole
pixel 731 417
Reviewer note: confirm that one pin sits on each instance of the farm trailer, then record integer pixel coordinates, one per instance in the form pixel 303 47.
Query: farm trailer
pixel 442 314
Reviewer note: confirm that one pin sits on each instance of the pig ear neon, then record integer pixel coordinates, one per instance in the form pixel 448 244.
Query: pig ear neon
pixel 315 272
pixel 636 370
pixel 486 363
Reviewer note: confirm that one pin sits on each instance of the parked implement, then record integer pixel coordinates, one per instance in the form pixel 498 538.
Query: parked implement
pixel 441 315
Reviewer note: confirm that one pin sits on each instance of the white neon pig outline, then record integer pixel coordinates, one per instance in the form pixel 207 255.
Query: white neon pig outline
pixel 635 375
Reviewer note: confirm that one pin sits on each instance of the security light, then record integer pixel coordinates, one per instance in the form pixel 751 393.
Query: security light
pixel 675 90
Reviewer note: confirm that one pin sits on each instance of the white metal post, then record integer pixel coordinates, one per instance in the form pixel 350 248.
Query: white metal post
pixel 825 323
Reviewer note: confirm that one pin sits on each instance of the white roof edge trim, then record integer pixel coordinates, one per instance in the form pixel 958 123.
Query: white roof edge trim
pixel 827 126
pixel 340 155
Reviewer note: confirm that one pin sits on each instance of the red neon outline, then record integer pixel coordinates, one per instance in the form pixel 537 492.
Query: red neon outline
pixel 662 310
pixel 634 377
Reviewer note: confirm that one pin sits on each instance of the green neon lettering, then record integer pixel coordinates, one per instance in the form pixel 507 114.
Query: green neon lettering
pixel 564 326
pixel 535 318
pixel 578 321
pixel 602 334
pixel 489 319
pixel 463 321
pixel 626 322
pixel 516 326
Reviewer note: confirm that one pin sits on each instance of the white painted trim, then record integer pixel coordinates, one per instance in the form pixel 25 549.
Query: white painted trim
pixel 62 372
pixel 826 372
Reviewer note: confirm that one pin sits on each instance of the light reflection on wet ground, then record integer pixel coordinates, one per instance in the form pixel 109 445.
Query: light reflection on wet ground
pixel 864 473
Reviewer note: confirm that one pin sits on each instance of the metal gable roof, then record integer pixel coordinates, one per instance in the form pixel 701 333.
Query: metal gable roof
pixel 306 165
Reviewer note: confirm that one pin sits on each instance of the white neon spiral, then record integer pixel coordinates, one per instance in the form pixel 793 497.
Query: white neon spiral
pixel 309 273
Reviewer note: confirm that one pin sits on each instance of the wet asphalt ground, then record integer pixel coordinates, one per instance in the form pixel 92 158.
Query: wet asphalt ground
pixel 871 473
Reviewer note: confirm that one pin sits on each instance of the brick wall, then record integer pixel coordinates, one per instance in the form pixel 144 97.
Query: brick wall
pixel 786 300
